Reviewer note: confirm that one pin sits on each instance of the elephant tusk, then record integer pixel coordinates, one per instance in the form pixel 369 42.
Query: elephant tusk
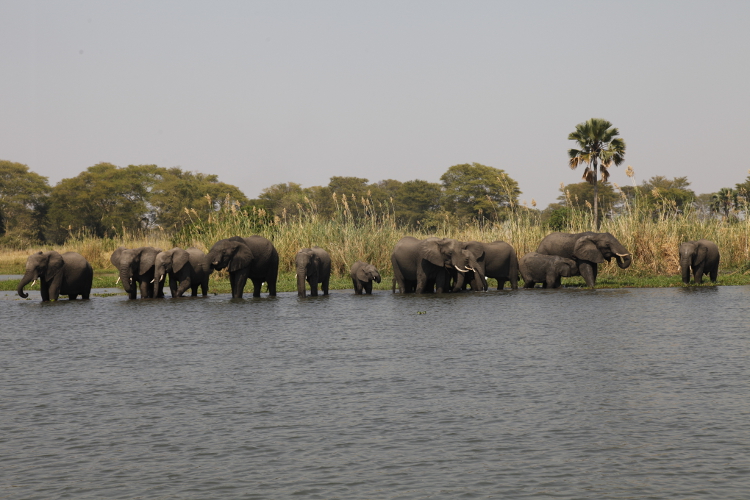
pixel 33 283
pixel 622 254
pixel 153 280
pixel 118 280
pixel 461 270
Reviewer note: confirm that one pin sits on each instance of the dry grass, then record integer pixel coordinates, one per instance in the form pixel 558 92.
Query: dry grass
pixel 368 233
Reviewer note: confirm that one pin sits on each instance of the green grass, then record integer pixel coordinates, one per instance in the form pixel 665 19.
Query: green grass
pixel 288 283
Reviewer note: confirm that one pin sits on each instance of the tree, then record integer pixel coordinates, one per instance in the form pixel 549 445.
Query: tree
pixel 174 192
pixel 414 201
pixel 599 148
pixel 23 204
pixel 724 201
pixel 281 199
pixel 576 196
pixel 661 193
pixel 475 190
pixel 104 199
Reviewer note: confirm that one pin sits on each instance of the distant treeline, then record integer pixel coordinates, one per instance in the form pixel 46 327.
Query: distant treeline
pixel 109 201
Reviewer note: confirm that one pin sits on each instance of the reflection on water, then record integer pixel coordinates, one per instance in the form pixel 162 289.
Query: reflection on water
pixel 567 393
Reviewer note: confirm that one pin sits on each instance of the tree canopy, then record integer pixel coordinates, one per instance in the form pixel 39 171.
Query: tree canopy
pixel 106 200
pixel 23 204
pixel 475 190
pixel 598 148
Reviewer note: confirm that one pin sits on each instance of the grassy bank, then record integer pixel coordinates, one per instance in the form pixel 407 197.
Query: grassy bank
pixel 368 233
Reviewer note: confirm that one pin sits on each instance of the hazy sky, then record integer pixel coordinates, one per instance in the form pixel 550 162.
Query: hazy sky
pixel 264 92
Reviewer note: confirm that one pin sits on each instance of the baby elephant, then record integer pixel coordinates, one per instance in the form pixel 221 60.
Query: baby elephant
pixel 362 276
pixel 314 265
pixel 545 269
pixel 702 257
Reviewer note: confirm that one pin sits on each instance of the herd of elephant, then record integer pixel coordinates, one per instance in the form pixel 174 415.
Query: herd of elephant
pixel 431 265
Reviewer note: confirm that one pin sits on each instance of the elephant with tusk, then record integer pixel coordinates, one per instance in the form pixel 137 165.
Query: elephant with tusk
pixel 433 264
pixel 59 274
pixel 588 250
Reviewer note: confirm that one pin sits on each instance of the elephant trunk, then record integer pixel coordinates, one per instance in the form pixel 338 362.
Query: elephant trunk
pixel 301 274
pixel 623 260
pixel 460 279
pixel 685 268
pixel 376 277
pixel 126 279
pixel 25 281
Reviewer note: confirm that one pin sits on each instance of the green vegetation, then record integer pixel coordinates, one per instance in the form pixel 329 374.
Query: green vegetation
pixel 106 206
pixel 600 148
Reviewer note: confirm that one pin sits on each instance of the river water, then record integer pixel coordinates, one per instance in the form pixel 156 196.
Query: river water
pixel 570 393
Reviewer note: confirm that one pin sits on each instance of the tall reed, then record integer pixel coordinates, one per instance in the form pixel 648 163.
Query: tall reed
pixel 363 230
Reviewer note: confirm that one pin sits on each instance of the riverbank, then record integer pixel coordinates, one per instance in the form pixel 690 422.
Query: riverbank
pixel 287 282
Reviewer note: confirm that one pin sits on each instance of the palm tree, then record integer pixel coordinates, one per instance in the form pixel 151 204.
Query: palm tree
pixel 599 147
pixel 724 201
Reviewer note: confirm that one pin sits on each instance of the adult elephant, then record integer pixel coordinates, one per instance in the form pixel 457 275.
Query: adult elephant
pixel 422 266
pixel 314 265
pixel 588 250
pixel 67 274
pixel 253 258
pixel 498 260
pixel 702 257
pixel 136 269
pixel 186 269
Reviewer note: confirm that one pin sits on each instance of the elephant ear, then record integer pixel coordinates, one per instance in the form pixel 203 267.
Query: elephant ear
pixel 362 274
pixel 585 249
pixel 55 266
pixel 242 257
pixel 147 260
pixel 476 249
pixel 180 257
pixel 700 255
pixel 115 257
pixel 431 251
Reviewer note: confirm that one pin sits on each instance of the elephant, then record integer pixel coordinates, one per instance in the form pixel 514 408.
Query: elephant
pixel 186 269
pixel 363 274
pixel 254 257
pixel 545 269
pixel 588 250
pixel 67 274
pixel 702 257
pixel 314 265
pixel 422 266
pixel 136 268
pixel 499 261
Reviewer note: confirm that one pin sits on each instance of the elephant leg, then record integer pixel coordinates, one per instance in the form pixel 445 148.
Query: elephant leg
pixel 368 287
pixel 54 291
pixel 357 286
pixel 442 282
pixel 588 271
pixel 501 283
pixel 421 282
pixel 44 290
pixel 324 285
pixel 184 285
pixel 145 292
pixel 699 275
pixel 238 281
pixel 204 286
pixel 72 296
pixel 257 286
pixel 714 274
pixel 313 287
pixel 528 284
